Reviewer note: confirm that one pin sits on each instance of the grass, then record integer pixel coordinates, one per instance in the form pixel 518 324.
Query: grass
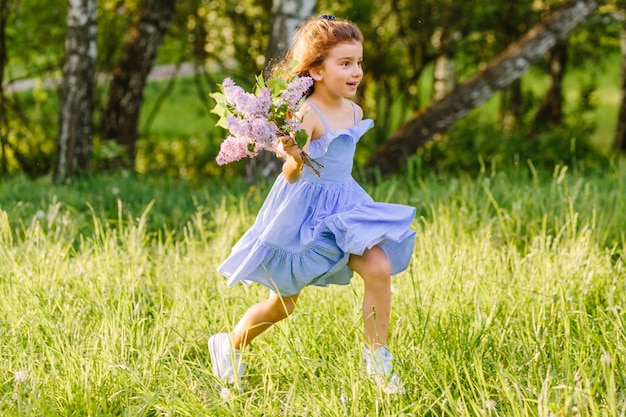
pixel 513 304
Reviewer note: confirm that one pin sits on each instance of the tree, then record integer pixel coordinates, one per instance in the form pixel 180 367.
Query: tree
pixel 505 69
pixel 286 16
pixel 550 110
pixel 619 143
pixel 125 96
pixel 4 17
pixel 74 140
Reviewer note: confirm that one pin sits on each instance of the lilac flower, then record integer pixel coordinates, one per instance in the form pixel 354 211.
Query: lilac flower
pixel 292 125
pixel 252 119
pixel 264 133
pixel 295 91
pixel 257 129
pixel 247 104
pixel 233 149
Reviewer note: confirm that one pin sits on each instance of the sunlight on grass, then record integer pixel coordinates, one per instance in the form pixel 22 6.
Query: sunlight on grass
pixel 513 304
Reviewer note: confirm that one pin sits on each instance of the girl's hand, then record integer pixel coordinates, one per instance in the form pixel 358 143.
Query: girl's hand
pixel 290 147
pixel 292 168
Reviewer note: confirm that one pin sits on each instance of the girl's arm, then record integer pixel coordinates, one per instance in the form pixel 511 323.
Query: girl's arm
pixel 292 168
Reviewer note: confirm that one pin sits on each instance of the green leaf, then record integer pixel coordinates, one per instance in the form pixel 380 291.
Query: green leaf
pixel 260 82
pixel 221 108
pixel 277 85
pixel 219 98
pixel 301 138
pixel 222 123
pixel 279 114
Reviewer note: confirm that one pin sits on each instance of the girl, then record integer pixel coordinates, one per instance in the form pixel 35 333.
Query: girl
pixel 319 230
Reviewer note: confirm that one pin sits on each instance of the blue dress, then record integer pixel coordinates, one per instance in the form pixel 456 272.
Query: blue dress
pixel 305 231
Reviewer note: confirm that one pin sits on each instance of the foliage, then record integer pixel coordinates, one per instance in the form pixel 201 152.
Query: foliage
pixel 476 141
pixel 402 40
pixel 33 52
pixel 511 306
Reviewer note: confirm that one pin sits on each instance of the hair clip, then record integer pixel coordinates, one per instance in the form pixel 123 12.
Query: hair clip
pixel 328 17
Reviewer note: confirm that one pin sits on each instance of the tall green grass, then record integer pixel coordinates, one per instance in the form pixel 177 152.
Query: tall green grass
pixel 513 304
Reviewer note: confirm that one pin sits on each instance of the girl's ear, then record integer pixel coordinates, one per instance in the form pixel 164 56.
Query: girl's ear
pixel 316 73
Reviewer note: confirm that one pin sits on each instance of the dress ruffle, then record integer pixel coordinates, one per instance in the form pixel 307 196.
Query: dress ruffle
pixel 319 147
pixel 306 231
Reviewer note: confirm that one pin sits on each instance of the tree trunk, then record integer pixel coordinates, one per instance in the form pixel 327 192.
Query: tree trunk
pixel 619 143
pixel 74 139
pixel 508 67
pixel 125 97
pixel 444 75
pixel 511 105
pixel 550 110
pixel 286 16
pixel 4 127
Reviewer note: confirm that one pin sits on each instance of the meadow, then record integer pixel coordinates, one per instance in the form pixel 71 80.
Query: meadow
pixel 513 304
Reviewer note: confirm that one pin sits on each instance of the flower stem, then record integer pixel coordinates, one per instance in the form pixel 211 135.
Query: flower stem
pixel 311 163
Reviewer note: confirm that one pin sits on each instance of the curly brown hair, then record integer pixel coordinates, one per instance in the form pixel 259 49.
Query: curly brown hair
pixel 314 39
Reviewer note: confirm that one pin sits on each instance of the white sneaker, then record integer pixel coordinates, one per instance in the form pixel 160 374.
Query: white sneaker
pixel 379 365
pixel 225 359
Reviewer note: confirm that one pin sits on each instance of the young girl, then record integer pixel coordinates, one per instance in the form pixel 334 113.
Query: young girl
pixel 319 230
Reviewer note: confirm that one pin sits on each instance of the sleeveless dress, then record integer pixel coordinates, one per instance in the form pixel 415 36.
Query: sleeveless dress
pixel 305 231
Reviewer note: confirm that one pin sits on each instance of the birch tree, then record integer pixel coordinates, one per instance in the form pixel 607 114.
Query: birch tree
pixel 74 139
pixel 286 16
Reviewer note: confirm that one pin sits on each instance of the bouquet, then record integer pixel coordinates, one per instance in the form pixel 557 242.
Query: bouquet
pixel 256 121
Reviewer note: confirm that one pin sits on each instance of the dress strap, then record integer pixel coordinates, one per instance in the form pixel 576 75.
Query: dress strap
pixel 319 113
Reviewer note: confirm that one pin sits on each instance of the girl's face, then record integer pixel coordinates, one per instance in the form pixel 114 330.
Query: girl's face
pixel 341 72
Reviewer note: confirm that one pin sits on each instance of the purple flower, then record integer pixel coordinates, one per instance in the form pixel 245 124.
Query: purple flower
pixel 295 91
pixel 264 133
pixel 247 104
pixel 251 119
pixel 255 130
pixel 233 149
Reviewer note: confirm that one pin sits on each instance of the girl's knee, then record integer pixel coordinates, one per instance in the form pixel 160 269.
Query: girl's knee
pixel 379 273
pixel 374 263
pixel 282 307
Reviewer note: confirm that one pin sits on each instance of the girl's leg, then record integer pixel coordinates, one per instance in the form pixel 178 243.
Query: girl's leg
pixel 373 266
pixel 260 317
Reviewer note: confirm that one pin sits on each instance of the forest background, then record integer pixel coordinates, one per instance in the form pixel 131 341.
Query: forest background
pixel 562 107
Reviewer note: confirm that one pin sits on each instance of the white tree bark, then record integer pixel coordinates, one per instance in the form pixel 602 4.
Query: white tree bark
pixel 286 16
pixel 444 75
pixel 74 139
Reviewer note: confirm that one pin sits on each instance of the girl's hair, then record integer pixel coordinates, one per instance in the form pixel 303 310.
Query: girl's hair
pixel 314 39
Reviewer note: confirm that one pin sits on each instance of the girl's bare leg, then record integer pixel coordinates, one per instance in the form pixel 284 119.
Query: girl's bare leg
pixel 260 317
pixel 373 266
